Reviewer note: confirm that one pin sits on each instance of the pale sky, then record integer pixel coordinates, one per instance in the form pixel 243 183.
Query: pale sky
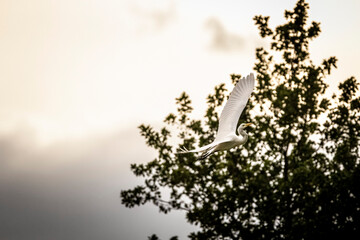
pixel 77 77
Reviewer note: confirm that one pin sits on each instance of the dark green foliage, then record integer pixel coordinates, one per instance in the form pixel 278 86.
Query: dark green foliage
pixel 296 177
pixel 155 237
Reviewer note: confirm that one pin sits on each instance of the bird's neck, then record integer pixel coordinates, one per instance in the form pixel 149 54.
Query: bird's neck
pixel 243 134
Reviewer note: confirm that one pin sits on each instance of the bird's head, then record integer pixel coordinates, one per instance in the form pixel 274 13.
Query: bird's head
pixel 243 126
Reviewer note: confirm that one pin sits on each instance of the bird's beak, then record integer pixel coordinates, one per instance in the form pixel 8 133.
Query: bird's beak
pixel 248 124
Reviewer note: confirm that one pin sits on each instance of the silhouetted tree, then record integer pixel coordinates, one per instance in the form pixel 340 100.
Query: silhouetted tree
pixel 296 177
pixel 155 237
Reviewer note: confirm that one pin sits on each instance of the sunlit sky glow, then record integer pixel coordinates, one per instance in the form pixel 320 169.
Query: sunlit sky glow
pixel 82 74
pixel 72 67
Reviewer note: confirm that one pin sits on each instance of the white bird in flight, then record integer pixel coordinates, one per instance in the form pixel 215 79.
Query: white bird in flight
pixel 226 137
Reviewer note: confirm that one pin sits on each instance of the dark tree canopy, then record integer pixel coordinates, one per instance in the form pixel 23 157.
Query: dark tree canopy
pixel 296 177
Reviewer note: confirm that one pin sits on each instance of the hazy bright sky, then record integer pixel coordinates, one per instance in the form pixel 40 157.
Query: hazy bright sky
pixel 78 76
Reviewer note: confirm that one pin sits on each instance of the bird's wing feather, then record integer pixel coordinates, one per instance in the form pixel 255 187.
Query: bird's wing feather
pixel 234 106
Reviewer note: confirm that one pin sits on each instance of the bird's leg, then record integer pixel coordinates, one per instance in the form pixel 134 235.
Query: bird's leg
pixel 207 153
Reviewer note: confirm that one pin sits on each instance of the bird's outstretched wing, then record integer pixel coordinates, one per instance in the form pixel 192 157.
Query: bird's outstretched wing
pixel 234 106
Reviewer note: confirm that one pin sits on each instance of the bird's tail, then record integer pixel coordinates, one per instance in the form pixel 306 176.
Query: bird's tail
pixel 205 150
pixel 183 150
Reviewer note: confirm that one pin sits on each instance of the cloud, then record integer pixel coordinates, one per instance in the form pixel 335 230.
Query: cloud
pixel 70 190
pixel 222 39
pixel 154 18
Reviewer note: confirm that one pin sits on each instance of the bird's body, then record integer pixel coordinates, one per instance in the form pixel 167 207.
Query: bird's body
pixel 226 137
